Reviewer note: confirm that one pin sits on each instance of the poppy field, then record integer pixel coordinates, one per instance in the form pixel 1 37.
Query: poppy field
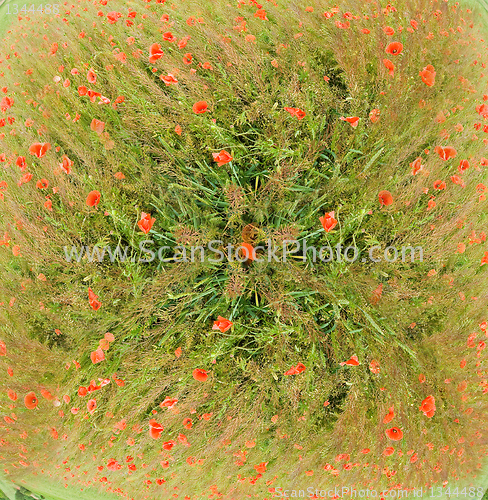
pixel 133 134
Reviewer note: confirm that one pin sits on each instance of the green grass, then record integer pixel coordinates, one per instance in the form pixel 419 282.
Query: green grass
pixel 284 175
pixel 8 16
pixel 51 490
pixel 5 19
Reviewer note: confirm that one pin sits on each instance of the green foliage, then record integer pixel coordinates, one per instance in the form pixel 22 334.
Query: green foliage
pixel 285 173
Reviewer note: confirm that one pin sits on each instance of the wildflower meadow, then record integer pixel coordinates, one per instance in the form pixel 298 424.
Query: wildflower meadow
pixel 334 156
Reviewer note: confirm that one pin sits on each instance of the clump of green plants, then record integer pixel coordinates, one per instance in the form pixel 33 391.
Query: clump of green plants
pixel 165 168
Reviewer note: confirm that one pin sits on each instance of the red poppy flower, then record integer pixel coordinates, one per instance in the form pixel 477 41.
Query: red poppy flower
pixel 416 165
pixel 482 109
pixel 374 366
pixel 428 406
pixel 104 344
pixel 353 120
pixel 388 451
pixel 463 165
pixel 183 439
pixel 395 434
pixel 93 95
pixel 374 115
pixel 97 356
pixel 155 52
pixel 168 403
pixel 428 75
pixel 353 361
pixel 67 164
pixel 261 468
pixel 155 429
pixel 109 337
pixel 6 103
pixel 222 158
pixel 200 375
pixel 146 223
pixel 261 14
pixel 169 79
pixel 169 37
pixel 21 163
pixel 168 445
pixel 47 395
pixel 97 126
pixel 247 252
pixel 113 465
pixel 328 221
pixel 30 401
pixel 222 324
pixel 394 49
pixel 484 259
pixel 39 149
pixel 390 416
pixel 200 107
pixel 457 180
pixel 462 386
pixel 295 370
pixel 93 198
pixel 12 395
pixel 376 295
pixel 91 76
pixel 187 59
pixel 91 405
pixel 92 299
pixel 445 153
pixel 183 42
pixel 385 198
pixel 389 66
pixel 296 112
pixel 188 423
pixel 42 184
pixel 3 348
